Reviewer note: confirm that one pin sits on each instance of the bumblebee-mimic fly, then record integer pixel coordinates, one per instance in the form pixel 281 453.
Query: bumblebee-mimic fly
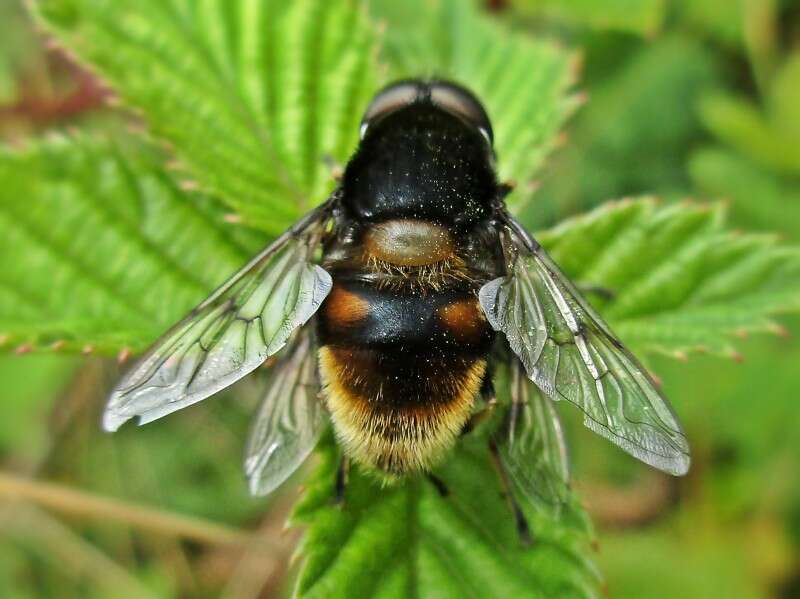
pixel 386 302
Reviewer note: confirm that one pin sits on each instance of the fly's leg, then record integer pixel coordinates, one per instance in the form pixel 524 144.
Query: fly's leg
pixel 523 529
pixel 598 290
pixel 478 417
pixel 489 403
pixel 340 485
pixel 487 393
pixel 518 398
pixel 440 485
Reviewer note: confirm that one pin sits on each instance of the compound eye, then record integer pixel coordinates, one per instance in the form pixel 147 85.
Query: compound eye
pixel 461 102
pixel 392 98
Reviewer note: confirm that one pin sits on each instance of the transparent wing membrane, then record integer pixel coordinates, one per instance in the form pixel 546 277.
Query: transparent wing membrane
pixel 570 353
pixel 531 443
pixel 289 421
pixel 230 334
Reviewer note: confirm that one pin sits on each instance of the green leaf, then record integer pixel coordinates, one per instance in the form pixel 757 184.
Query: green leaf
pixel 632 135
pixel 406 540
pixel 770 135
pixel 719 19
pixel 643 17
pixel 742 125
pixel 643 562
pixel 14 43
pixel 252 96
pixel 759 198
pixel 101 248
pixel 523 82
pixel 784 100
pixel 29 384
pixel 761 20
pixel 681 281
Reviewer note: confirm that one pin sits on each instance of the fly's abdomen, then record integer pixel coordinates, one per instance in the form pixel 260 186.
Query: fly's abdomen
pixel 403 345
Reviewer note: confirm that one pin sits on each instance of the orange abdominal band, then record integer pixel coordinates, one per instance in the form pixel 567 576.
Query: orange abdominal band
pixel 464 320
pixel 344 309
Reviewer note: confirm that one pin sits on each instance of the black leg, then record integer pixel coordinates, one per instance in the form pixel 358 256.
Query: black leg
pixel 601 292
pixel 477 418
pixel 490 401
pixel 439 484
pixel 342 473
pixel 523 530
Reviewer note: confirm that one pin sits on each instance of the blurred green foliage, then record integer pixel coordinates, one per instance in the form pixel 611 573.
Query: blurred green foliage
pixel 684 98
pixel 704 107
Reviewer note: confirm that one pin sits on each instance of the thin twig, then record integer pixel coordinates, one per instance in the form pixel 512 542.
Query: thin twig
pixel 647 500
pixel 87 505
pixel 254 576
pixel 74 555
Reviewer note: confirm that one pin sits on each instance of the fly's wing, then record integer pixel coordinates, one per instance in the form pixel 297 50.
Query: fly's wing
pixel 532 446
pixel 570 353
pixel 289 421
pixel 231 333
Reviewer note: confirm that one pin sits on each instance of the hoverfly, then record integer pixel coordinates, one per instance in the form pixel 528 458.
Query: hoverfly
pixel 419 284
